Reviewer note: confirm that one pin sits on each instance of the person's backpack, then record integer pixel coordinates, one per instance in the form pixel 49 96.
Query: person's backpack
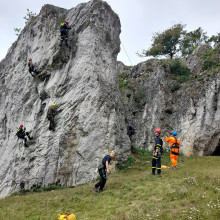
pixel 175 148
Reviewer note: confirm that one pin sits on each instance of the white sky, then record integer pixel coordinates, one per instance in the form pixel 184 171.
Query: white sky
pixel 139 20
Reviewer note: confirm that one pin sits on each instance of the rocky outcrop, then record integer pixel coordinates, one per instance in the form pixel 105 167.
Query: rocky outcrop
pixel 84 79
pixel 154 98
pixel 81 80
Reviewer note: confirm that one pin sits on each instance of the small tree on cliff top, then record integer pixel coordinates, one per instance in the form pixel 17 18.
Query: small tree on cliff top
pixel 191 40
pixel 166 43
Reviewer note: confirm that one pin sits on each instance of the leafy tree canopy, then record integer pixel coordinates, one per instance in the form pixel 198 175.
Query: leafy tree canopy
pixel 191 40
pixel 166 43
pixel 177 41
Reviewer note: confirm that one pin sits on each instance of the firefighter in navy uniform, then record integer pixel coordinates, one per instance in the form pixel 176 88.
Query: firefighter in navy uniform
pixel 64 32
pixel 21 133
pixel 157 152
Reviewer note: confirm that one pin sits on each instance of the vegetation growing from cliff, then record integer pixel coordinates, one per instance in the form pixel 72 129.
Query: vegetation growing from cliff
pixel 212 62
pixel 191 192
pixel 30 15
pixel 123 81
pixel 179 70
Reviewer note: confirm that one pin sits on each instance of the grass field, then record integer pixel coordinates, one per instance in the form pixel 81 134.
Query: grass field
pixel 191 192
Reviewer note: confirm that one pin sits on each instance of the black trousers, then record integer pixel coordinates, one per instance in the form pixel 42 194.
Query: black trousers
pixel 52 123
pixel 64 36
pixel 156 164
pixel 102 181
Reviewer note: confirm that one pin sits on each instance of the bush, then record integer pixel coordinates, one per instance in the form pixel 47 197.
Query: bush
pixel 123 82
pixel 128 163
pixel 211 61
pixel 142 154
pixel 180 71
pixel 38 189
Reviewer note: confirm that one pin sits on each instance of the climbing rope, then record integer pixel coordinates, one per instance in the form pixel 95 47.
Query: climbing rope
pixel 126 53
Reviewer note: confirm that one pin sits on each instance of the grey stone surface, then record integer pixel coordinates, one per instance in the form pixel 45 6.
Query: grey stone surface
pixel 81 81
pixel 153 99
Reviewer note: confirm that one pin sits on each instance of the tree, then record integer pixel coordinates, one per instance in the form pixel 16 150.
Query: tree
pixel 29 15
pixel 167 43
pixel 17 31
pixel 215 38
pixel 191 40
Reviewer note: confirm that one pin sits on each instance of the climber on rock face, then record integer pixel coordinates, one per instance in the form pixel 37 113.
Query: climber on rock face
pixel 51 115
pixel 32 68
pixel 64 32
pixel 130 129
pixel 21 133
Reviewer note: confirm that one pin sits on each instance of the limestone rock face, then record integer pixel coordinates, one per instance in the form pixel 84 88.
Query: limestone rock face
pixel 154 99
pixel 81 80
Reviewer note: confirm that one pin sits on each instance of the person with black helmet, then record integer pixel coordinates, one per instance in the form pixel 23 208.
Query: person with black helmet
pixel 103 169
pixel 157 152
pixel 64 32
pixel 21 133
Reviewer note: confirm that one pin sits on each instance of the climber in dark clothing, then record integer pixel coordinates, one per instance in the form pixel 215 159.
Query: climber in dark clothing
pixel 130 130
pixel 32 68
pixel 21 133
pixel 51 115
pixel 103 169
pixel 64 32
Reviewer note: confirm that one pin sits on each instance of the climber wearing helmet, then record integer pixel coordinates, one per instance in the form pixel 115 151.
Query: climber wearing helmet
pixel 174 148
pixel 103 169
pixel 21 133
pixel 157 152
pixel 51 112
pixel 32 68
pixel 64 32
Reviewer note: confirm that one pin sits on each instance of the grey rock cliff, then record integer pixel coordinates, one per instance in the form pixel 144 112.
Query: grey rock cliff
pixel 81 80
pixel 153 99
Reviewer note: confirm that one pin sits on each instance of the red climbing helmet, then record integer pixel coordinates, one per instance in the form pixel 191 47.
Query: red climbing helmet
pixel 21 125
pixel 157 130
pixel 67 22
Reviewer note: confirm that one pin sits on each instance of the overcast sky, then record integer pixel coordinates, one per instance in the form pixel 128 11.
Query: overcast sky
pixel 139 20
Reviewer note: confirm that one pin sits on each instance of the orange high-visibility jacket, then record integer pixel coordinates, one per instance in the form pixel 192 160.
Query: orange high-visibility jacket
pixel 172 140
pixel 174 149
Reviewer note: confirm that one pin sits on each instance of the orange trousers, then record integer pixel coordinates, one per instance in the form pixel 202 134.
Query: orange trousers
pixel 173 159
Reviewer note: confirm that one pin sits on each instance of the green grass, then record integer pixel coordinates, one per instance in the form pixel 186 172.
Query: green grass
pixel 191 192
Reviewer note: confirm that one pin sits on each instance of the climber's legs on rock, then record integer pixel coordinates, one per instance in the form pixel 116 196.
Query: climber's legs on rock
pixel 52 124
pixel 25 142
pixel 28 135
pixel 63 37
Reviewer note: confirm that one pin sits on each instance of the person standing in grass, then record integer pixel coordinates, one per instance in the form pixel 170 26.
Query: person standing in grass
pixel 157 152
pixel 103 169
pixel 174 148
